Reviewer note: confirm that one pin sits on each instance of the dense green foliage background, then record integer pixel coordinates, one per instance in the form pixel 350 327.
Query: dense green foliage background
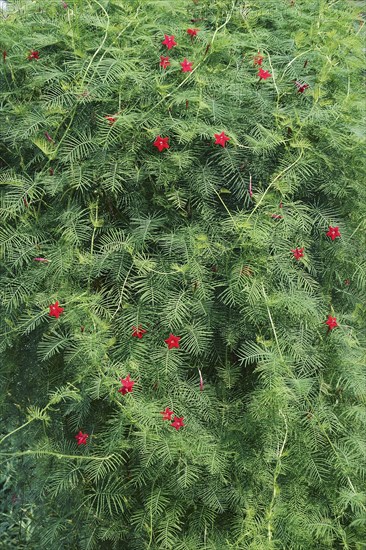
pixel 273 452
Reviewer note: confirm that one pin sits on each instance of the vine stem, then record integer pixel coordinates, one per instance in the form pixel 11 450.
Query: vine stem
pixel 57 455
pixel 275 477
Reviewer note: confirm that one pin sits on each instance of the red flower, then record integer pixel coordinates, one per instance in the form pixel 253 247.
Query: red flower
pixel 258 58
pixel 333 232
pixel 173 341
pixel 301 87
pixel 4 56
pixel 55 310
pixel 186 66
pixel 164 62
pixel 48 137
pixel 169 41
pixel 34 54
pixel 347 282
pixel 221 139
pixel 298 253
pixel 41 260
pixel 127 385
pixel 138 332
pixel 178 422
pixel 161 143
pixel 167 414
pixel 81 438
pixel 263 75
pixel 192 32
pixel 111 119
pixel 331 322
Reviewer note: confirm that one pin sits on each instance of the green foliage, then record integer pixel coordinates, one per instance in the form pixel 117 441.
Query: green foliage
pixel 273 452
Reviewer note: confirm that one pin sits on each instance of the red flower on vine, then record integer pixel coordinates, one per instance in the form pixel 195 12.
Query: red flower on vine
pixel 81 438
pixel 127 385
pixel 186 66
pixel 138 332
pixel 263 75
pixel 55 310
pixel 221 139
pixel 4 56
pixel 331 322
pixel 333 232
pixel 298 253
pixel 111 119
pixel 258 58
pixel 172 341
pixel 161 143
pixel 34 54
pixel 169 41
pixel 167 414
pixel 178 422
pixel 301 87
pixel 192 32
pixel 164 62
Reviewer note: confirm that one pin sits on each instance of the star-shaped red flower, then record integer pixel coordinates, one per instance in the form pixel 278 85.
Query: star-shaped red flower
pixel 186 66
pixel 169 41
pixel 258 58
pixel 164 62
pixel 127 385
pixel 81 438
pixel 263 75
pixel 331 322
pixel 34 54
pixel 221 139
pixel 173 341
pixel 298 253
pixel 167 414
pixel 178 422
pixel 192 32
pixel 111 119
pixel 301 87
pixel 55 310
pixel 161 143
pixel 333 232
pixel 138 332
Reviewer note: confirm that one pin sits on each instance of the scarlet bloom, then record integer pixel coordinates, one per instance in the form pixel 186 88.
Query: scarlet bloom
pixel 333 232
pixel 301 87
pixel 298 253
pixel 48 137
pixel 221 139
pixel 81 438
pixel 34 54
pixel 4 56
pixel 178 422
pixel 186 66
pixel 127 385
pixel 173 341
pixel 169 41
pixel 161 143
pixel 55 310
pixel 138 332
pixel 167 414
pixel 41 260
pixel 192 32
pixel 331 322
pixel 258 58
pixel 111 119
pixel 263 75
pixel 164 62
